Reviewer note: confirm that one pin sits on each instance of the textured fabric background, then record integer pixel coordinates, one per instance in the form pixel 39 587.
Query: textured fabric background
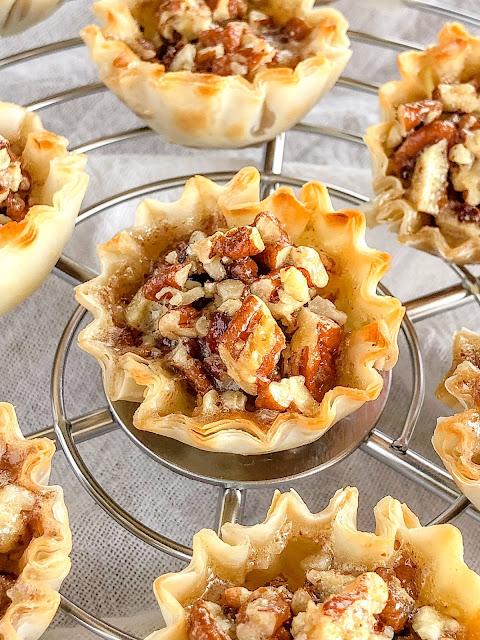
pixel 112 571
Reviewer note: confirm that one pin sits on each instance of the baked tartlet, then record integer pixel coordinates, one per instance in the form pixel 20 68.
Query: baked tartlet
pixel 41 189
pixel 18 15
pixel 35 539
pixel 426 154
pixel 218 73
pixel 240 325
pixel 306 576
pixel 457 438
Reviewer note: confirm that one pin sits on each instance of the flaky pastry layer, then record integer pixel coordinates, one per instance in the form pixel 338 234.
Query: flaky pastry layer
pixel 206 110
pixel 29 249
pixel 457 438
pixel 45 562
pixel 372 321
pixel 456 58
pixel 256 554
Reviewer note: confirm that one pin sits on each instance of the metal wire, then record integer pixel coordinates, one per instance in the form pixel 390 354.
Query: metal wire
pixel 444 11
pixel 63 430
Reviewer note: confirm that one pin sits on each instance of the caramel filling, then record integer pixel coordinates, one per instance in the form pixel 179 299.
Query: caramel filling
pixel 222 38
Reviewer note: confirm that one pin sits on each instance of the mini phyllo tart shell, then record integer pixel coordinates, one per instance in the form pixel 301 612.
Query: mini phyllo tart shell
pixel 205 109
pixel 35 539
pixel 335 581
pixel 426 153
pixel 17 15
pixel 457 438
pixel 354 330
pixel 38 225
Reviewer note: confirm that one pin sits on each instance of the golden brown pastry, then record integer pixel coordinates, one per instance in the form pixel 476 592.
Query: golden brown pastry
pixel 18 15
pixel 41 189
pixel 426 154
pixel 457 438
pixel 35 539
pixel 241 325
pixel 305 576
pixel 218 73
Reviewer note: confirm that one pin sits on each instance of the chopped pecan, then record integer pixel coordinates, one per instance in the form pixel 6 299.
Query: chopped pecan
pixel 267 609
pixel 413 114
pixel 237 8
pixel 312 352
pixel 245 269
pixel 252 344
pixel 16 207
pixel 166 275
pixel 179 323
pixel 229 36
pixel 465 212
pixel 403 159
pixel 202 624
pixel 276 240
pixel 400 606
pixel 218 326
pixel 237 243
pixel 271 229
pixel 191 368
pixel 235 597
pixel 296 29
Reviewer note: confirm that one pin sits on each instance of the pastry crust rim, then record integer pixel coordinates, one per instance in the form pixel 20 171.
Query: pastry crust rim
pixel 242 548
pixel 29 249
pixel 390 206
pixel 372 344
pixel 46 560
pixel 246 107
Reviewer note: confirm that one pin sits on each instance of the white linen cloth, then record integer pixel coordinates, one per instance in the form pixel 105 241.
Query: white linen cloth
pixel 112 571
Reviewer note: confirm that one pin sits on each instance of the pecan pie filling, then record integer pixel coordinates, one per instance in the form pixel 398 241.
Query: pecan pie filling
pixel 239 316
pixel 436 153
pixel 15 185
pixel 18 518
pixel 221 37
pixel 331 603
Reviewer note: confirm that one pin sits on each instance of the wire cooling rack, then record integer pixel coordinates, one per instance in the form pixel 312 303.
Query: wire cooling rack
pixel 235 474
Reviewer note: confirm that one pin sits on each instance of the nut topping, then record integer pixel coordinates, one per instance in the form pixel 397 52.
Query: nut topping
pixel 252 344
pixel 214 312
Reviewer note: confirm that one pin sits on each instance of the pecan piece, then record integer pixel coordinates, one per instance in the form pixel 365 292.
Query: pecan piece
pixel 202 624
pixel 16 207
pixel 166 275
pixel 312 352
pixel 296 29
pixel 466 212
pixel 405 156
pixel 229 36
pixel 240 242
pixel 400 606
pixel 245 269
pixel 353 608
pixel 266 609
pixel 179 323
pixel 218 326
pixel 277 242
pixel 413 114
pixel 252 344
pixel 191 369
